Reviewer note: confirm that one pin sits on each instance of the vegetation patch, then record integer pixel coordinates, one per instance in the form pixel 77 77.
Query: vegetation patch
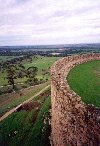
pixel 84 79
pixel 5 58
pixel 8 101
pixel 30 126
pixel 20 70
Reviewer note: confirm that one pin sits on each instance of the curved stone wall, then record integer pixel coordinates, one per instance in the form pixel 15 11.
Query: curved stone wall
pixel 73 123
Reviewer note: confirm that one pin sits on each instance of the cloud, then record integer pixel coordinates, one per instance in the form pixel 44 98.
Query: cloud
pixel 49 21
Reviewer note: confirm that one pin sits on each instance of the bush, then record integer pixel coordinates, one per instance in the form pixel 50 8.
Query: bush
pixel 6 89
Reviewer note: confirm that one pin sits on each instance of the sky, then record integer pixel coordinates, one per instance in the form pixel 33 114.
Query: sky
pixel 45 22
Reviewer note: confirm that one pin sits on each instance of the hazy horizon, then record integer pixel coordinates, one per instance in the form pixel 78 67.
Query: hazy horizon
pixel 49 22
pixel 39 45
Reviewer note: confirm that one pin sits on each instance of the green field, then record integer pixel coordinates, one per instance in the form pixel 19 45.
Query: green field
pixel 84 79
pixel 8 101
pixel 42 63
pixel 27 127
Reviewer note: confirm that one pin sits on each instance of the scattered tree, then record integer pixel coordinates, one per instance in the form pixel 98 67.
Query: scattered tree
pixel 11 75
pixel 31 75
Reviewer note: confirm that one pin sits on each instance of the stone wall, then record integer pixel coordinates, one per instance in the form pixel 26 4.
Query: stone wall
pixel 73 123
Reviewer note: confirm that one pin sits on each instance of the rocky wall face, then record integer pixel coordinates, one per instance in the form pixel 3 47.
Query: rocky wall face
pixel 73 123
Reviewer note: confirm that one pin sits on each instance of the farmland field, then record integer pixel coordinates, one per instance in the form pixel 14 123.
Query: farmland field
pixel 84 79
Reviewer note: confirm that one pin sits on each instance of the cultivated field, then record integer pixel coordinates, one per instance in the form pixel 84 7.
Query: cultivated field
pixel 84 79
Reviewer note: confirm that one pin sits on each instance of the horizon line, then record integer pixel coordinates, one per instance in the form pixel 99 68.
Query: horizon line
pixel 49 44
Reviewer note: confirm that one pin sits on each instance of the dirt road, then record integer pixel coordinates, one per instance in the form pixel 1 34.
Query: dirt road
pixel 26 101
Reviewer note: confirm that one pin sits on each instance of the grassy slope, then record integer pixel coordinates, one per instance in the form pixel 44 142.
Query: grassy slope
pixel 42 63
pixel 22 98
pixel 28 132
pixel 84 79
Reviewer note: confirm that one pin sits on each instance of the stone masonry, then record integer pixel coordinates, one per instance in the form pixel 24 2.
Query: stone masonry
pixel 73 122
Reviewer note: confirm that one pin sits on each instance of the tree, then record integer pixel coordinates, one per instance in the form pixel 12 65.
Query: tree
pixel 11 75
pixel 31 74
pixel 21 71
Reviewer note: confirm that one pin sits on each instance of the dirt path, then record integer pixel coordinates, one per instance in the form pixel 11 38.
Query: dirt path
pixel 26 101
pixel 23 92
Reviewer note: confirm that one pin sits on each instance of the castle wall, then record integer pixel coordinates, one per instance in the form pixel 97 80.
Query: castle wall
pixel 73 123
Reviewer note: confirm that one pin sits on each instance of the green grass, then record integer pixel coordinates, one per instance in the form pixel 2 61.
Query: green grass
pixel 37 136
pixel 29 133
pixel 84 79
pixel 42 63
pixel 3 80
